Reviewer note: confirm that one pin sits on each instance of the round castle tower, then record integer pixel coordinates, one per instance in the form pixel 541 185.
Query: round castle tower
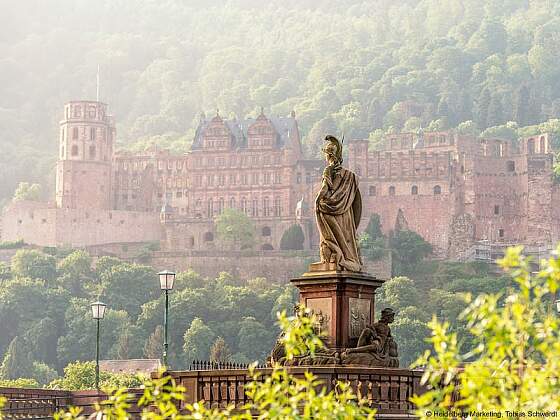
pixel 83 173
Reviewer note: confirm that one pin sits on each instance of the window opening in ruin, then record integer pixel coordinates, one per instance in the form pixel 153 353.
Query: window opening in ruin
pixel 531 147
pixel 414 190
pixel 496 209
pixel 437 190
pixel 266 231
pixel 391 190
pixel 501 233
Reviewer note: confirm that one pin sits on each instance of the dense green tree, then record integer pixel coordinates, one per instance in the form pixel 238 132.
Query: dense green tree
pixel 75 273
pixel 81 376
pixel 43 373
pixel 153 348
pixel 292 239
pixel 255 340
pixel 78 342
pixel 34 264
pixel 129 286
pixel 17 362
pixel 408 248
pixel 198 340
pixel 220 352
pixel 235 228
pixel 27 191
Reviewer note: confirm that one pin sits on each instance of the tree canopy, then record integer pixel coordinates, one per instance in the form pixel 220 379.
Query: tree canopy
pixel 379 66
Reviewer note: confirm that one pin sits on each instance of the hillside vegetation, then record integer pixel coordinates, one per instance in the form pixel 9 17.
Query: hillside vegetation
pixel 343 66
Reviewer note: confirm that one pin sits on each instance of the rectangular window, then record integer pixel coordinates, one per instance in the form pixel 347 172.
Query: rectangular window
pixel 496 209
pixel 501 233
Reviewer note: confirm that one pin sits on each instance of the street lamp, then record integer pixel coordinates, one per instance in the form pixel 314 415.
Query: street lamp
pixel 98 312
pixel 166 280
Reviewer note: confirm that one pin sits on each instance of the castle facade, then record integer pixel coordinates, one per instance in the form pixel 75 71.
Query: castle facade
pixel 456 191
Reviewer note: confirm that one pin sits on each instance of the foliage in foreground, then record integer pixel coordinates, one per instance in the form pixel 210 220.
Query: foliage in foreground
pixel 81 375
pixel 515 359
pixel 280 396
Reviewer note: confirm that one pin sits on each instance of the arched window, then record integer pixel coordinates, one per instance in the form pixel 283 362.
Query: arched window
pixel 232 203
pixel 220 205
pixel 531 147
pixel 372 190
pixel 414 190
pixel 391 190
pixel 266 231
pixel 92 152
pixel 437 190
pixel 255 207
pixel 208 237
pixel 266 207
pixel 74 150
pixel 277 207
pixel 244 205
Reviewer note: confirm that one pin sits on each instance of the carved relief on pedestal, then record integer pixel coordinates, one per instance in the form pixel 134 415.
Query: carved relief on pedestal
pixel 359 315
pixel 322 309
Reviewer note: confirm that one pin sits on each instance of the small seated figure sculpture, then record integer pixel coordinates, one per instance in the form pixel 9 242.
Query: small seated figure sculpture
pixel 376 346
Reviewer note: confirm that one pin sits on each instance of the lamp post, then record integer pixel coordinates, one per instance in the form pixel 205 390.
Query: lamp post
pixel 166 280
pixel 98 312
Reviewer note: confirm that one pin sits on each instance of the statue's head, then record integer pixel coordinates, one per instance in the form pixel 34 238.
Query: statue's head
pixel 332 150
pixel 387 315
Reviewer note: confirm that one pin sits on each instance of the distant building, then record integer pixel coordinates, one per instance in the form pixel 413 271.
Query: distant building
pixel 254 165
pixel 458 192
pixel 130 366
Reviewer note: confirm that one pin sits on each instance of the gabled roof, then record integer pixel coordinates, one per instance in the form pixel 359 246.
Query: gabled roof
pixel 285 127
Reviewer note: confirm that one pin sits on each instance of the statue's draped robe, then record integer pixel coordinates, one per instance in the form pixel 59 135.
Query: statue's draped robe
pixel 338 215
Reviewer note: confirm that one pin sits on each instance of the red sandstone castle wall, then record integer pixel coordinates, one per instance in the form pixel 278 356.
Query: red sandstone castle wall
pixel 42 226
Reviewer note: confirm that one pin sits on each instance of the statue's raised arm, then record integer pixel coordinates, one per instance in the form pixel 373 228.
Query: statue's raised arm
pixel 338 208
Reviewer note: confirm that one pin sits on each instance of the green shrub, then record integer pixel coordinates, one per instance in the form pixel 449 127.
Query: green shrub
pixel 12 244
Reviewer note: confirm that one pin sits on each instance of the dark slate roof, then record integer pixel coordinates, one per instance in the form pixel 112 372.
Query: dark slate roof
pixel 284 126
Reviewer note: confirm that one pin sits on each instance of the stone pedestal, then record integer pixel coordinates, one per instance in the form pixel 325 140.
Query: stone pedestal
pixel 343 302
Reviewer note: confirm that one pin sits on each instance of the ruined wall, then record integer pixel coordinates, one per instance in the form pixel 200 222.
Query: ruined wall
pixel 500 198
pixel 539 201
pixel 421 183
pixel 275 266
pixel 32 221
pixel 200 234
pixel 40 225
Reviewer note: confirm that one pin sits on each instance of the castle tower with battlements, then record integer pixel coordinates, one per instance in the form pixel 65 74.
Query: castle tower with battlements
pixel 83 172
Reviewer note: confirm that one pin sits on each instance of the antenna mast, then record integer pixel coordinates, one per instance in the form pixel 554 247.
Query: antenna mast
pixel 97 94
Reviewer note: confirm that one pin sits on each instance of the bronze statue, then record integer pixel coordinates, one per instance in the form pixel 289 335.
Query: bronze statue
pixel 338 208
pixel 376 346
